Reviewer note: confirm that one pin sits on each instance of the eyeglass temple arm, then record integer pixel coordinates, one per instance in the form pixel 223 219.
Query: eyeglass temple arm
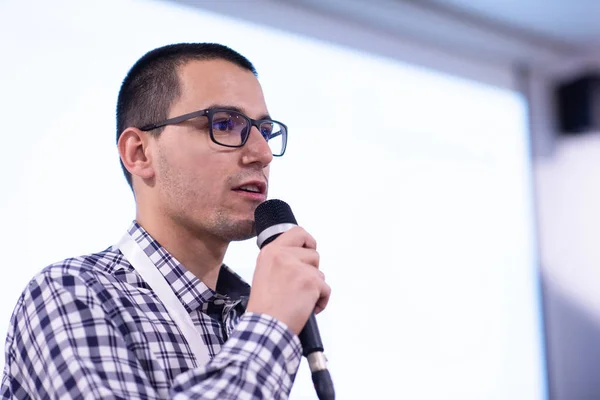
pixel 173 121
pixel 275 135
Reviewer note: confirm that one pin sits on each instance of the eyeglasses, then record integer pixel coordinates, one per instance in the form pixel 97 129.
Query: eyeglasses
pixel 231 128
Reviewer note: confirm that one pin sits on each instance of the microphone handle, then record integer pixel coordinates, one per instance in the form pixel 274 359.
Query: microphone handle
pixel 310 337
pixel 312 349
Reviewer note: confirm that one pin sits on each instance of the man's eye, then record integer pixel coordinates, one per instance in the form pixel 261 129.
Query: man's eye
pixel 223 125
pixel 266 131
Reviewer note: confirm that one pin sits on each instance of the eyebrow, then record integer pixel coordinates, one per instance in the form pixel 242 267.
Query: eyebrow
pixel 238 109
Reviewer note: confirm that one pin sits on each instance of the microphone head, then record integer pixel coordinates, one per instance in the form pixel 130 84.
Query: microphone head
pixel 272 212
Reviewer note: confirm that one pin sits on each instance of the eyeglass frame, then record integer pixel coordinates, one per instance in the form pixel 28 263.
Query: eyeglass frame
pixel 209 113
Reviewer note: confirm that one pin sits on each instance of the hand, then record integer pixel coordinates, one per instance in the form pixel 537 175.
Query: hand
pixel 287 283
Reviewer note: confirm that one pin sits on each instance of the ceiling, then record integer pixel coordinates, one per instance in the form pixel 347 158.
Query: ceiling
pixel 574 22
pixel 535 33
pixel 524 31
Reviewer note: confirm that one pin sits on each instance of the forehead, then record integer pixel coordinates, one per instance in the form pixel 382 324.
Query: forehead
pixel 205 83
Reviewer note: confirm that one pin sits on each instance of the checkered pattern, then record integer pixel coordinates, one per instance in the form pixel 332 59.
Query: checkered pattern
pixel 90 327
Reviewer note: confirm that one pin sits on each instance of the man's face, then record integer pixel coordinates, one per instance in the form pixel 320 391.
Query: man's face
pixel 197 181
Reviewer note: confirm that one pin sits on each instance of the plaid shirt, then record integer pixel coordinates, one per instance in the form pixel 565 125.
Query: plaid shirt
pixel 90 327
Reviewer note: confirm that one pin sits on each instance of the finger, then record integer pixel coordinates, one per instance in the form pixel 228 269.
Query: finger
pixel 306 256
pixel 325 293
pixel 297 237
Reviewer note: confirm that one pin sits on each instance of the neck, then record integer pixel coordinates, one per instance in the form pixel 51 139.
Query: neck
pixel 201 254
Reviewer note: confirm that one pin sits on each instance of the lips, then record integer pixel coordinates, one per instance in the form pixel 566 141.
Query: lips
pixel 252 187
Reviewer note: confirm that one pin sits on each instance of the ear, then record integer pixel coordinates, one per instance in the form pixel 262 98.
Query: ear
pixel 134 149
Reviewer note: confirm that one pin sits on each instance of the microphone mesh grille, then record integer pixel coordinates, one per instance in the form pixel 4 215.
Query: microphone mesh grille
pixel 272 212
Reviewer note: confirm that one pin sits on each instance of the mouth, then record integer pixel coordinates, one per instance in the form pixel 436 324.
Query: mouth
pixel 256 190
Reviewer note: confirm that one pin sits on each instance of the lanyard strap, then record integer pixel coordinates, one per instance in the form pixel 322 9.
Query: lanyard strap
pixel 140 261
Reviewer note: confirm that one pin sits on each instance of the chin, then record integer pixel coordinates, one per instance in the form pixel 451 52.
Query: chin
pixel 240 230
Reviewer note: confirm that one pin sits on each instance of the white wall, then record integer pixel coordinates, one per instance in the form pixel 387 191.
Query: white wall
pixel 567 175
pixel 567 184
pixel 416 184
pixel 569 205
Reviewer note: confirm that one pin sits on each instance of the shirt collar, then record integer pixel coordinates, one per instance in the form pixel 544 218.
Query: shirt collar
pixel 190 290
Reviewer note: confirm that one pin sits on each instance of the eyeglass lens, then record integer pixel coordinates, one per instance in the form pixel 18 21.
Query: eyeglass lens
pixel 231 128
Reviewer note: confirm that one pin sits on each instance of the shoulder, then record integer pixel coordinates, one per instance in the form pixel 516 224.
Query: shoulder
pixel 104 265
pixel 88 277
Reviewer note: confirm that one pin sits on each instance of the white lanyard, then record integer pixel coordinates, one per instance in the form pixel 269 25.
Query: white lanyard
pixel 146 268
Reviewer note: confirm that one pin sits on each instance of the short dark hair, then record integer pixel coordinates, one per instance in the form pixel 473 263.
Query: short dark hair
pixel 152 84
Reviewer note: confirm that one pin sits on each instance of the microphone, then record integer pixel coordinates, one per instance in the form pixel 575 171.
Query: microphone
pixel 272 218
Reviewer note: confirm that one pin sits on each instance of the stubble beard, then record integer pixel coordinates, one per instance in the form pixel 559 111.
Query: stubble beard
pixel 186 208
pixel 221 223
pixel 231 230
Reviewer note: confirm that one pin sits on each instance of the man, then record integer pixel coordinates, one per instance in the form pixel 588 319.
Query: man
pixel 158 315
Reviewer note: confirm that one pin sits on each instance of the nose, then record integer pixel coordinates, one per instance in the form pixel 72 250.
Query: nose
pixel 257 149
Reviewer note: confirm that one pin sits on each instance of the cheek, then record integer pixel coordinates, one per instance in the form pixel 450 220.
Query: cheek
pixel 196 179
pixel 180 157
pixel 176 175
pixel 193 173
pixel 266 171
